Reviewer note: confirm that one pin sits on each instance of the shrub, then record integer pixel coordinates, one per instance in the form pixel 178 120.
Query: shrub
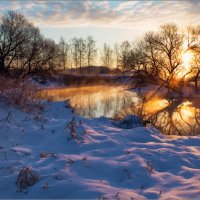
pixel 26 178
pixel 21 93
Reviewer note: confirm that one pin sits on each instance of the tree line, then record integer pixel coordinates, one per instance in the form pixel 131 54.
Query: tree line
pixel 159 57
pixel 80 52
pixel 156 58
pixel 24 50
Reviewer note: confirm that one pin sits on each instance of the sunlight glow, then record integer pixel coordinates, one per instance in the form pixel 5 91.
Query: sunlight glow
pixel 186 58
pixel 186 65
pixel 185 118
pixel 156 104
pixel 186 110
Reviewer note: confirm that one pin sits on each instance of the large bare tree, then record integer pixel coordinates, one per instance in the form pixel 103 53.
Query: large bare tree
pixel 15 30
pixel 158 56
pixel 23 48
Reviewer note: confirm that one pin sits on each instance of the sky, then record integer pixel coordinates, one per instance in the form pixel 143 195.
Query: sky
pixel 107 21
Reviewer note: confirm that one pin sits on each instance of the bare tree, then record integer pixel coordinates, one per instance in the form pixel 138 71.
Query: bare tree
pixel 22 47
pixel 117 55
pixel 29 53
pixel 196 70
pixel 124 50
pixel 158 56
pixel 40 56
pixel 49 54
pixel 64 50
pixel 74 47
pixel 14 31
pixel 107 56
pixel 71 55
pixel 193 45
pixel 79 48
pixel 91 51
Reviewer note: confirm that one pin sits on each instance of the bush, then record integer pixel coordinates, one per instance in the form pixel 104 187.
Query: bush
pixel 26 178
pixel 21 93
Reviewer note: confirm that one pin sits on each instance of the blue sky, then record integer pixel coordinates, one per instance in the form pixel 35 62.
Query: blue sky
pixel 106 21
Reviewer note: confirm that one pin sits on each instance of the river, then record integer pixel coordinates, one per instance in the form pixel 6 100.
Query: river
pixel 173 116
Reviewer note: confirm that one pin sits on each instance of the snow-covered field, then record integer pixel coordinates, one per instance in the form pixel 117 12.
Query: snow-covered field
pixel 105 162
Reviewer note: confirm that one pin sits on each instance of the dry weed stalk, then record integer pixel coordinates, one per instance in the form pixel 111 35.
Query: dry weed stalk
pixel 26 178
pixel 46 155
pixel 21 93
pixel 8 118
pixel 149 167
pixel 72 125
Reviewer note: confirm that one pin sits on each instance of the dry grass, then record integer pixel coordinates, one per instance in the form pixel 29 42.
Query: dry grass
pixel 72 126
pixel 47 155
pixel 149 167
pixel 21 93
pixel 26 178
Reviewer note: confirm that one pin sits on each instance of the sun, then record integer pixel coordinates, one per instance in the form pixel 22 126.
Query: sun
pixel 186 58
pixel 186 64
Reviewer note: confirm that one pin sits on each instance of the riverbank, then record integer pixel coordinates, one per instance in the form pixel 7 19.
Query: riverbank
pixel 77 80
pixel 102 161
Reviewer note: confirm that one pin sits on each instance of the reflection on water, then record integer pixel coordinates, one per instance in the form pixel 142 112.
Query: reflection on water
pixel 172 117
pixel 95 101
pixel 178 118
pixel 154 105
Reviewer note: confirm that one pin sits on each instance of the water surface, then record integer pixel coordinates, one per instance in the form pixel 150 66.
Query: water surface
pixel 95 101
pixel 171 116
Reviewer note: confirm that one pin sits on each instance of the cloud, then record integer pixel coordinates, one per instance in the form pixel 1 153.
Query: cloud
pixel 126 14
pixel 126 6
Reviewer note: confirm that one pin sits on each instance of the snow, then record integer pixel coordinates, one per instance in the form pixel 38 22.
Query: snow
pixel 129 121
pixel 104 162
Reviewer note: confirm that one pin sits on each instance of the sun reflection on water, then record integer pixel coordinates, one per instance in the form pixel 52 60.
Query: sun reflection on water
pixel 155 105
pixel 173 117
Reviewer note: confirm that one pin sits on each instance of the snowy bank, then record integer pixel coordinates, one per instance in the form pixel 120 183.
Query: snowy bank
pixel 104 162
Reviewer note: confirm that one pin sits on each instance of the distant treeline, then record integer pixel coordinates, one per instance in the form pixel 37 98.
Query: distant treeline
pixel 24 50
